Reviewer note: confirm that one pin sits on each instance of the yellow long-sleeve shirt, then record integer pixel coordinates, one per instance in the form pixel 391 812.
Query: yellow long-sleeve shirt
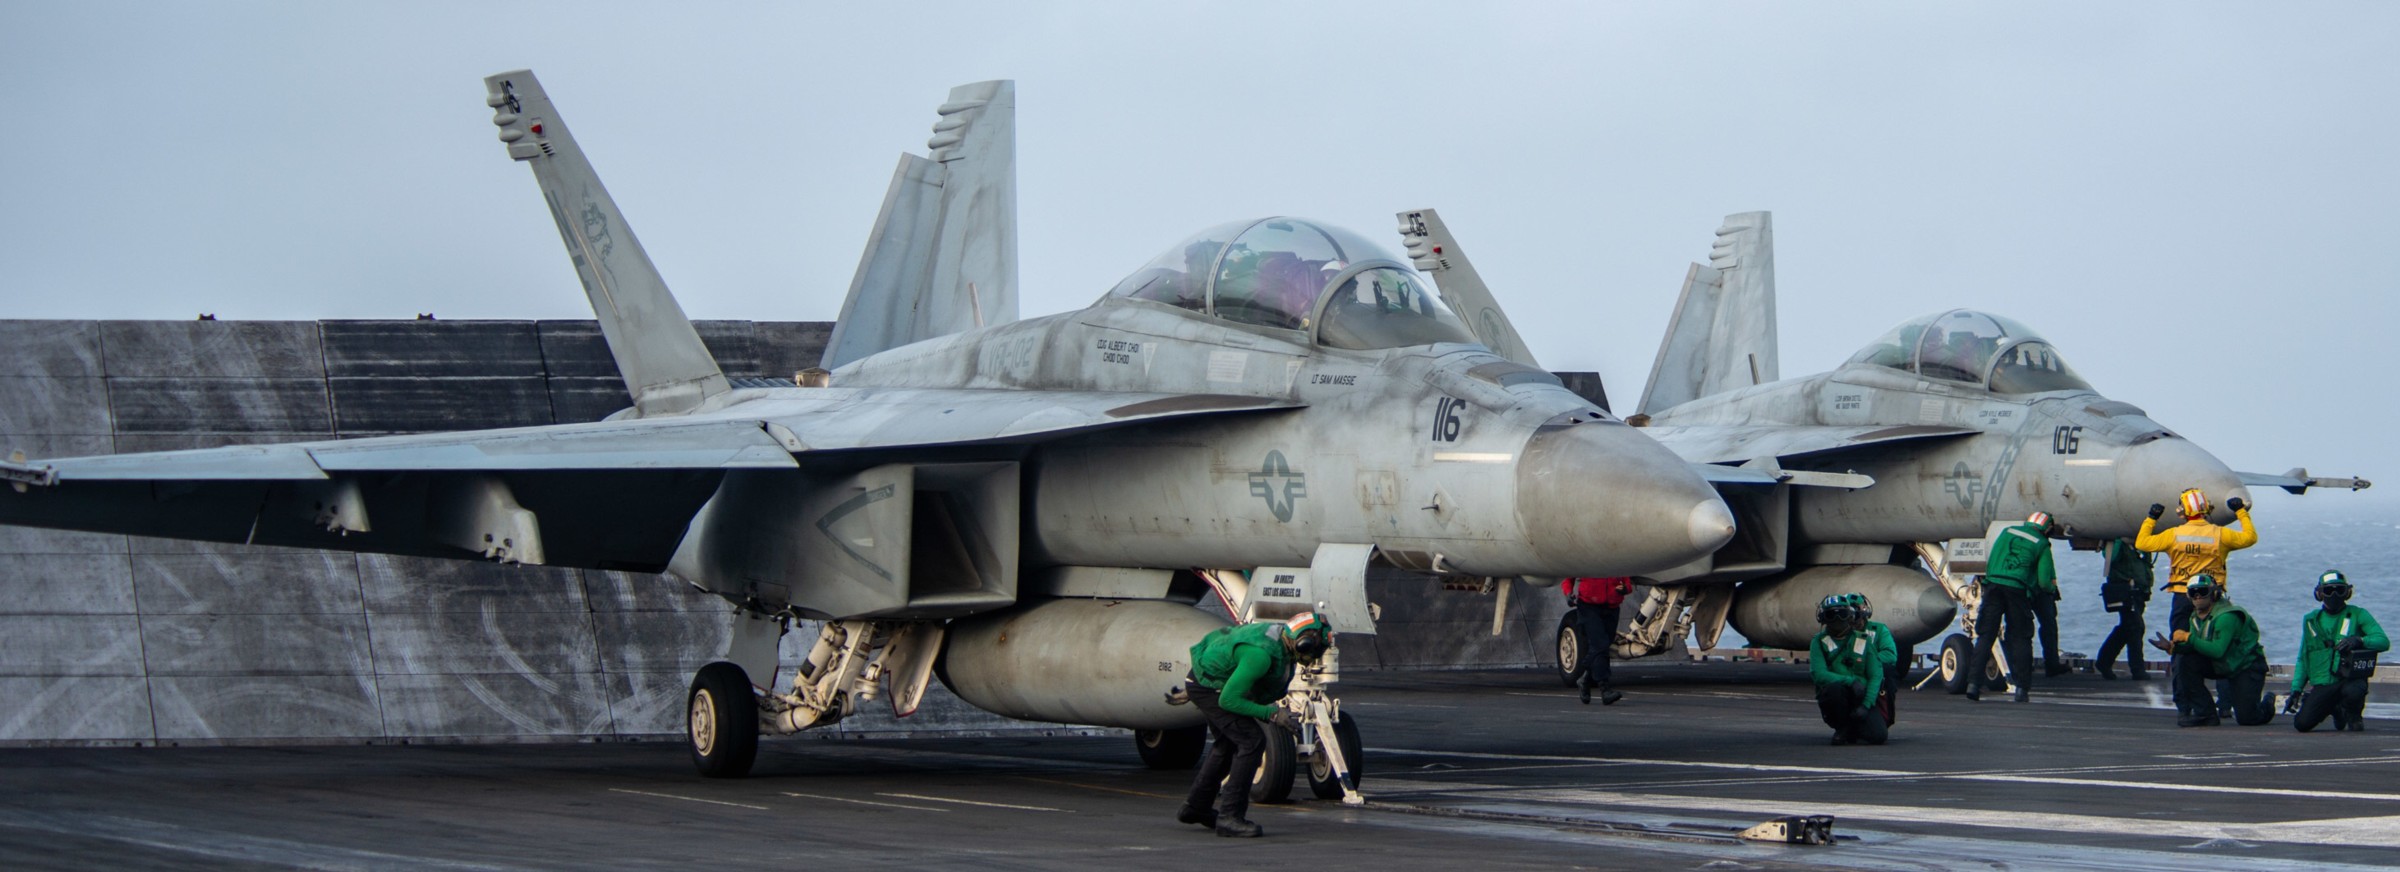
pixel 2197 546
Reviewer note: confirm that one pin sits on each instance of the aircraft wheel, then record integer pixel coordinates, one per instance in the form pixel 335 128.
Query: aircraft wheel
pixel 1178 748
pixel 1320 766
pixel 1955 651
pixel 724 721
pixel 1570 648
pixel 1273 783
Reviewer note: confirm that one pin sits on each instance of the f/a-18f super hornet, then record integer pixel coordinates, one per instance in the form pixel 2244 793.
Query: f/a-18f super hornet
pixel 1026 508
pixel 1945 424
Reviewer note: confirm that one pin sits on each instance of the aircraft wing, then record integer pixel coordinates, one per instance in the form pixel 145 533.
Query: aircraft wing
pixel 605 495
pixel 1738 444
pixel 2298 481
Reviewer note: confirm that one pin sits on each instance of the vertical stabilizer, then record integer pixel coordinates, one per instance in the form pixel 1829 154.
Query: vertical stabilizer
pixel 1722 337
pixel 943 255
pixel 1432 249
pixel 666 368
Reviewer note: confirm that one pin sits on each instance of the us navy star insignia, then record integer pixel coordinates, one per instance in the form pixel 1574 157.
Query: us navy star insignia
pixel 1278 485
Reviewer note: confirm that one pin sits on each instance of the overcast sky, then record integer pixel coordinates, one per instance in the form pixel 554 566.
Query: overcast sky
pixel 2194 202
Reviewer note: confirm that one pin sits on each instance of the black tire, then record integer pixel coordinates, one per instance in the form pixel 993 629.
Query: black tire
pixel 1179 748
pixel 1273 783
pixel 722 713
pixel 1570 648
pixel 1955 652
pixel 1320 768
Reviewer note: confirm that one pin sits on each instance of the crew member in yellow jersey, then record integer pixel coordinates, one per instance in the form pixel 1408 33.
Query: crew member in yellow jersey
pixel 2195 548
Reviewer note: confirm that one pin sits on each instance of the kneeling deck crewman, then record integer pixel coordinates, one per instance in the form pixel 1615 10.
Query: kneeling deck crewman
pixel 1239 673
pixel 2221 641
pixel 1849 674
pixel 2338 644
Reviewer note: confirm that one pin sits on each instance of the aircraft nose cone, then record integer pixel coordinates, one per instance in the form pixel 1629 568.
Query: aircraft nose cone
pixel 1710 525
pixel 1603 499
pixel 2157 471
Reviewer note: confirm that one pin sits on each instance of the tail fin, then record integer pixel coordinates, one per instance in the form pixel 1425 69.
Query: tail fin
pixel 1434 250
pixel 943 256
pixel 666 368
pixel 1723 334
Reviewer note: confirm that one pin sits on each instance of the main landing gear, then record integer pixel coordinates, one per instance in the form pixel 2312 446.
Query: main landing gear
pixel 727 710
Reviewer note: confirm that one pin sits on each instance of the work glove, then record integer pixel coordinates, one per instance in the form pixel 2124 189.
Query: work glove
pixel 1861 713
pixel 2347 644
pixel 2236 504
pixel 2160 642
pixel 1283 718
pixel 2291 704
pixel 2156 510
pixel 1179 695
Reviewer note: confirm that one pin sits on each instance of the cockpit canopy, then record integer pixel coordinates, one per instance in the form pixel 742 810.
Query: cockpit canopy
pixel 1963 345
pixel 1295 274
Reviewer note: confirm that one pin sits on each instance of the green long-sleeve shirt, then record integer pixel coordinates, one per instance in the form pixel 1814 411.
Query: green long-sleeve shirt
pixel 2226 635
pixel 1247 665
pixel 1887 651
pixel 2320 630
pixel 2020 558
pixel 1853 656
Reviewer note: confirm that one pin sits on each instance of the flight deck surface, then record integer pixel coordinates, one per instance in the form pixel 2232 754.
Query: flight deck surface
pixel 1464 770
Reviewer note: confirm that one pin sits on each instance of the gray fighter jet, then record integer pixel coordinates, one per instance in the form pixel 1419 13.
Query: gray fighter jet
pixel 1026 508
pixel 1959 418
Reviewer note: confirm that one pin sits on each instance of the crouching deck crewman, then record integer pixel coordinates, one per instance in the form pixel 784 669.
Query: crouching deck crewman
pixel 1239 673
pixel 2221 641
pixel 1844 661
pixel 2338 644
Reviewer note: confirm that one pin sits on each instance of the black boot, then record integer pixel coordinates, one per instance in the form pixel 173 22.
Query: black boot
pixel 1585 689
pixel 1608 695
pixel 1190 814
pixel 1230 823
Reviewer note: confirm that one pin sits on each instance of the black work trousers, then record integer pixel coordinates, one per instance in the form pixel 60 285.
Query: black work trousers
pixel 1232 758
pixel 2126 638
pixel 2250 706
pixel 2045 621
pixel 1851 715
pixel 2345 700
pixel 2179 617
pixel 2002 601
pixel 1596 628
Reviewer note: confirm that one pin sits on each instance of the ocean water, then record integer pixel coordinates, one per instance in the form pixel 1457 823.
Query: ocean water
pixel 2298 538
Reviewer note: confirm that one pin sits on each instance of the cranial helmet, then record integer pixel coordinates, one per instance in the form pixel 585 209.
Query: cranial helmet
pixel 1836 609
pixel 2039 519
pixel 2194 503
pixel 1310 633
pixel 2203 584
pixel 2333 585
pixel 1859 601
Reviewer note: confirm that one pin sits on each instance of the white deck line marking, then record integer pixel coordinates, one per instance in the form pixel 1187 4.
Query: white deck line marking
pixel 864 801
pixel 2156 787
pixel 2364 831
pixel 969 802
pixel 690 798
pixel 1627 761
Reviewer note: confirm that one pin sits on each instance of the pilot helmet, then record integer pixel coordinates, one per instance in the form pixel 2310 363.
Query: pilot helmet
pixel 1310 634
pixel 2333 586
pixel 2203 584
pixel 2194 503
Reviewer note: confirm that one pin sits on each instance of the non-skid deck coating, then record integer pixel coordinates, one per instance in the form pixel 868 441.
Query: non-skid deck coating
pixel 1466 770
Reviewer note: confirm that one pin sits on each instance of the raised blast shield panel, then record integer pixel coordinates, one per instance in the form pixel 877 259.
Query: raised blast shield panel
pixel 893 541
